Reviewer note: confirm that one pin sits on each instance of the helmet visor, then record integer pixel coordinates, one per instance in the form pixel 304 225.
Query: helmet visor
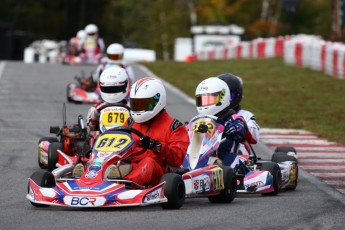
pixel 142 104
pixel 207 99
pixel 114 57
pixel 92 33
pixel 114 89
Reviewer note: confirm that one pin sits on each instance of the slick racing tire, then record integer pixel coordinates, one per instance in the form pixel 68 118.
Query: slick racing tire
pixel 53 156
pixel 50 140
pixel 174 191
pixel 281 157
pixel 274 169
pixel 43 179
pixel 229 192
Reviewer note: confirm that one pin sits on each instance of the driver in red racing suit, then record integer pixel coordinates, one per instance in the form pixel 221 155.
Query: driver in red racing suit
pixel 166 139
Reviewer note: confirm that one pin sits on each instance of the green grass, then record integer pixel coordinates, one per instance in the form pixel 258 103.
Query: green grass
pixel 280 96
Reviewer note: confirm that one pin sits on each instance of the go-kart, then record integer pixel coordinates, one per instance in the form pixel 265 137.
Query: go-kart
pixel 90 52
pixel 95 189
pixel 283 166
pixel 68 142
pixel 202 175
pixel 84 90
pixel 74 139
pixel 265 177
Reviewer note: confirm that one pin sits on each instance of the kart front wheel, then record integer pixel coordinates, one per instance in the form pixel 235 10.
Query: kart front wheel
pixel 229 192
pixel 53 156
pixel 281 157
pixel 43 179
pixel 50 140
pixel 174 191
pixel 274 169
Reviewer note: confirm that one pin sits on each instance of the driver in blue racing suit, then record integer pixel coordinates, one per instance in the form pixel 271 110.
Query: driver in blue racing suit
pixel 213 97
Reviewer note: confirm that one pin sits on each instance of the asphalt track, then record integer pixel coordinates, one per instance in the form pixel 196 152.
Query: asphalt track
pixel 31 98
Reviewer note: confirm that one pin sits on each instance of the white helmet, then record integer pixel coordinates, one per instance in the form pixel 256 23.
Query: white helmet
pixel 115 52
pixel 81 34
pixel 212 96
pixel 147 99
pixel 114 84
pixel 91 29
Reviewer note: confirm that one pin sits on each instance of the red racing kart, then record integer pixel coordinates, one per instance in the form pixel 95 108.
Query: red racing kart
pixel 95 189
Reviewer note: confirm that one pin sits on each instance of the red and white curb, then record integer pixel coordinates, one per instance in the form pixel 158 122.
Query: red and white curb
pixel 321 158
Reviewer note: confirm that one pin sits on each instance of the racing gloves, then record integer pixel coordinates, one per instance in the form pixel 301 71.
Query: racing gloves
pixel 149 143
pixel 230 130
pixel 202 128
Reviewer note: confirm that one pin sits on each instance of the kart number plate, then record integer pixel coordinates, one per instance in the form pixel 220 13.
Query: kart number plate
pixel 209 124
pixel 114 118
pixel 90 43
pixel 111 142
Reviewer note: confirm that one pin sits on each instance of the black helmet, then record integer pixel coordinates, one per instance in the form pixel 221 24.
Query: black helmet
pixel 235 86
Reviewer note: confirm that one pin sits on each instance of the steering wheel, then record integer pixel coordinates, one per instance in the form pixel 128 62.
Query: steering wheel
pixel 129 130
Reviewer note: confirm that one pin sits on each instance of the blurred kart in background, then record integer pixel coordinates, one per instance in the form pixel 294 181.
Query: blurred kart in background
pixel 70 140
pixel 84 90
pixel 74 141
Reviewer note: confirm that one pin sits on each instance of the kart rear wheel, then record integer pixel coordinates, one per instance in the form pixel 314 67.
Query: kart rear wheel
pixel 50 140
pixel 229 192
pixel 274 169
pixel 43 179
pixel 174 191
pixel 53 156
pixel 281 157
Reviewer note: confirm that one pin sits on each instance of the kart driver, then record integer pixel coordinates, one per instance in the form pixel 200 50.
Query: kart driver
pixel 166 139
pixel 115 53
pixel 92 40
pixel 235 85
pixel 213 97
pixel 114 87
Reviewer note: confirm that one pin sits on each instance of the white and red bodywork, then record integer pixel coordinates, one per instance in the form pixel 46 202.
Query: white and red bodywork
pixel 93 189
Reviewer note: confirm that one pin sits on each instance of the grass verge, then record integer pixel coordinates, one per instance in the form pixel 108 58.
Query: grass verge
pixel 280 96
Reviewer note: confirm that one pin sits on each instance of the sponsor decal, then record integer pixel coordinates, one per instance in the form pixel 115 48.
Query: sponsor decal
pixel 255 184
pixel 203 87
pixel 176 123
pixel 84 201
pixel 217 179
pixel 103 154
pixel 98 161
pixel 202 183
pixel 153 196
pixel 94 168
pixel 91 174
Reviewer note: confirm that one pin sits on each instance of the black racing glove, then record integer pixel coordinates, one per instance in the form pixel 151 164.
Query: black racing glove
pixel 149 143
pixel 230 130
pixel 202 128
